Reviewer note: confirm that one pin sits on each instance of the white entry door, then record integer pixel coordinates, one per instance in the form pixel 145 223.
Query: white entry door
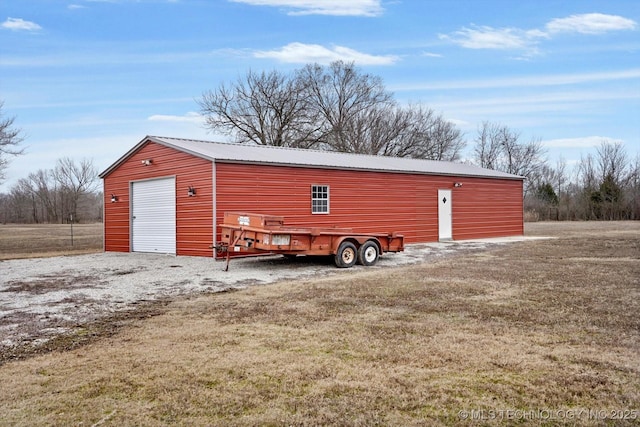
pixel 153 216
pixel 445 218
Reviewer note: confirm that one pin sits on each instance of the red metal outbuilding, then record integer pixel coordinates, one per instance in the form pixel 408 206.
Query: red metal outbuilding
pixel 169 195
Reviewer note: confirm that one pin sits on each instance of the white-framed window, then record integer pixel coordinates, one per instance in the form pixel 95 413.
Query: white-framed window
pixel 319 199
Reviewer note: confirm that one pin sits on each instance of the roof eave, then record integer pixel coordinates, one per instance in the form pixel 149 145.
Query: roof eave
pixel 161 141
pixel 124 157
pixel 415 172
pixel 145 140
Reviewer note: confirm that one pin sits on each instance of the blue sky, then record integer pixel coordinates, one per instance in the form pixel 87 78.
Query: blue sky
pixel 91 78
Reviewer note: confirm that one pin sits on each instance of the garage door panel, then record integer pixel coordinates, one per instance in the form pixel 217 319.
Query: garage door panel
pixel 154 216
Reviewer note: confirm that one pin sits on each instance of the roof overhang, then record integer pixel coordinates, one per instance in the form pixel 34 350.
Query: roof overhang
pixel 278 156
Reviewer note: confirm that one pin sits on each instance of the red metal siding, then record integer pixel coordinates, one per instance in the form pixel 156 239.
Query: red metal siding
pixel 487 208
pixel 373 201
pixel 194 215
pixel 363 200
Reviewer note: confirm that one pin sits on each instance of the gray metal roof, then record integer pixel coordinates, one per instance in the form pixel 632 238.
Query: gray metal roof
pixel 242 153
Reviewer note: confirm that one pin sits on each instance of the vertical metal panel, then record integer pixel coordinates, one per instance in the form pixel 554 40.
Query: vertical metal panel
pixel 364 200
pixel 373 201
pixel 487 208
pixel 214 202
pixel 194 215
pixel 153 221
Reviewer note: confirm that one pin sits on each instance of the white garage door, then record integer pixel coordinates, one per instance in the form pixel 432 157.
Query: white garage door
pixel 154 216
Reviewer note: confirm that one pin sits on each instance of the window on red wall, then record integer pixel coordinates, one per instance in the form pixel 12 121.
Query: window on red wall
pixel 319 199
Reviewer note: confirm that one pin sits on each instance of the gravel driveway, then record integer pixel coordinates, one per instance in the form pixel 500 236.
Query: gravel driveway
pixel 45 297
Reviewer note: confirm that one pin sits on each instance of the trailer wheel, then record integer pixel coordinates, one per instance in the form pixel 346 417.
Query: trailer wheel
pixel 368 253
pixel 347 255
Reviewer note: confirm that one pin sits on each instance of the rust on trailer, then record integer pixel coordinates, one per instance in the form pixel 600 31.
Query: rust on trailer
pixel 250 233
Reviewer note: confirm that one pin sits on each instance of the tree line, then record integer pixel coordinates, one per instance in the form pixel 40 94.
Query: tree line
pixel 340 108
pixel 69 192
pixel 602 186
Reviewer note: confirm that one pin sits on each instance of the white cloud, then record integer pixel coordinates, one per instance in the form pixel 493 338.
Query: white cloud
pixel 18 24
pixel 301 53
pixel 590 23
pixel 323 7
pixel 431 55
pixel 582 142
pixel 190 117
pixel 490 38
pixel 76 6
pixel 485 37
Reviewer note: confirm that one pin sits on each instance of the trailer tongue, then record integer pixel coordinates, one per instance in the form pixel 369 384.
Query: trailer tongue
pixel 249 233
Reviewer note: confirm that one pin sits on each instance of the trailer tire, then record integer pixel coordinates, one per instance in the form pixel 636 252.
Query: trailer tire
pixel 347 255
pixel 368 253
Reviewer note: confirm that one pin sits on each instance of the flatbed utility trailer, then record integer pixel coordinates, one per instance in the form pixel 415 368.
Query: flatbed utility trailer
pixel 250 233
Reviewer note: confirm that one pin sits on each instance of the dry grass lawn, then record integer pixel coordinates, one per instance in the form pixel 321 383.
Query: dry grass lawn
pixel 537 326
pixel 38 240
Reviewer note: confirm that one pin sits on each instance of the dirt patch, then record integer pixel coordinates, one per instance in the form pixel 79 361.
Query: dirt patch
pixel 48 283
pixel 64 335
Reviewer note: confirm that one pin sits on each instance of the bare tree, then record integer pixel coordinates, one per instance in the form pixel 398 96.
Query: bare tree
pixel 587 184
pixel 344 99
pixel 74 180
pixel 377 131
pixel 20 205
pixel 335 107
pixel 612 161
pixel 632 189
pixel 604 180
pixel 361 116
pixel 45 189
pixel 613 174
pixel 418 133
pixel 438 139
pixel 10 138
pixel 561 185
pixel 544 199
pixel 266 109
pixel 488 145
pixel 499 148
